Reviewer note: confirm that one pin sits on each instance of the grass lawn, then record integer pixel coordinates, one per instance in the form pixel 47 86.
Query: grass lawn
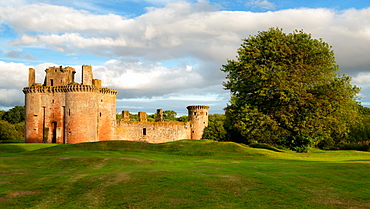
pixel 182 174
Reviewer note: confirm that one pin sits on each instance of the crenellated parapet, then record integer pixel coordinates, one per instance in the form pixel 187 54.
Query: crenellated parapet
pixel 68 88
pixel 108 91
pixel 196 107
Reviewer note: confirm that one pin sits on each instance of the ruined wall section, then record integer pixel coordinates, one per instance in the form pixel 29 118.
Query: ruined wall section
pixel 153 132
pixel 59 76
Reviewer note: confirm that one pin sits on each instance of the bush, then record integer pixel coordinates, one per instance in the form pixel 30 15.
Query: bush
pixel 354 146
pixel 8 131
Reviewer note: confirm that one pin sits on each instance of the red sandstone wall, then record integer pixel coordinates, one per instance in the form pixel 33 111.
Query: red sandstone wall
pixel 153 132
pixel 107 117
pixel 53 119
pixel 34 118
pixel 81 117
pixel 44 117
pixel 198 116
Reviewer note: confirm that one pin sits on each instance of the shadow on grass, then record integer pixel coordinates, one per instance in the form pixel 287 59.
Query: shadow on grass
pixel 266 146
pixel 11 141
pixel 11 148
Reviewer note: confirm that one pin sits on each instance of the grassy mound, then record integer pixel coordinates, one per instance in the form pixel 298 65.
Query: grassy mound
pixel 181 174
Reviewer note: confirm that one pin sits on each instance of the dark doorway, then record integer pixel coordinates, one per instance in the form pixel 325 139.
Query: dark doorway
pixel 54 132
pixel 144 131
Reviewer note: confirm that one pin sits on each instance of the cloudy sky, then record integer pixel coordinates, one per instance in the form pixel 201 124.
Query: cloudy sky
pixel 166 53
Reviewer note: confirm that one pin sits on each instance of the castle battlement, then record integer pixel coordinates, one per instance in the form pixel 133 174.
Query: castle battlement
pixel 68 88
pixel 194 107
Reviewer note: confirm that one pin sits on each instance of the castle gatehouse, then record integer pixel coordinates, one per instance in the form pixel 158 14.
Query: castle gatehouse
pixel 65 112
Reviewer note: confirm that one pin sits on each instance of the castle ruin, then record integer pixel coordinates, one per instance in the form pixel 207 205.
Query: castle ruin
pixel 65 112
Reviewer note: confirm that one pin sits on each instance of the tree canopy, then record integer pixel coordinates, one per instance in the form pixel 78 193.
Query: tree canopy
pixel 15 115
pixel 285 90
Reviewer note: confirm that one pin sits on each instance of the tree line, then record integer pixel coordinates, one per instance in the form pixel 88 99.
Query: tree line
pixel 168 116
pixel 12 123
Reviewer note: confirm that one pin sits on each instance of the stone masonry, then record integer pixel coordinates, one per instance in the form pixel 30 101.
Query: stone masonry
pixel 65 112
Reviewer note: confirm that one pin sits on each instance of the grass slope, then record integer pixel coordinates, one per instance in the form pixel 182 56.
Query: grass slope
pixel 182 174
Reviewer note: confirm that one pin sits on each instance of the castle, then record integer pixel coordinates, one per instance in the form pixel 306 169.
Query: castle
pixel 65 112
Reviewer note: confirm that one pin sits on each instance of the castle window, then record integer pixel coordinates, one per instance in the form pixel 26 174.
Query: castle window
pixel 144 131
pixel 206 113
pixel 195 113
pixel 51 82
pixel 69 112
pixel 52 101
pixel 100 114
pixel 101 100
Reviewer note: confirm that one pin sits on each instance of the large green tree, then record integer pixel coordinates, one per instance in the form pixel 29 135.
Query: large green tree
pixel 285 89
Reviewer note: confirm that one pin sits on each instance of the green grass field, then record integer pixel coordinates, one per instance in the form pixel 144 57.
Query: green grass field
pixel 182 174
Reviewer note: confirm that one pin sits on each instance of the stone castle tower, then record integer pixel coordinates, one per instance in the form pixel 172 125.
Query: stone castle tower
pixel 65 112
pixel 198 115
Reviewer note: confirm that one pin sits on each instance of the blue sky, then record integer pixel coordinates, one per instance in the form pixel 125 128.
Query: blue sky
pixel 166 53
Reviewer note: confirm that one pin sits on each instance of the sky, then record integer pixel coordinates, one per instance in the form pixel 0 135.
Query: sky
pixel 166 54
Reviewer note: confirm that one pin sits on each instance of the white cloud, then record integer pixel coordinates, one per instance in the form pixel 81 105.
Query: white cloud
pixel 262 4
pixel 14 75
pixel 185 30
pixel 361 78
pixel 11 97
pixel 138 79
pixel 176 32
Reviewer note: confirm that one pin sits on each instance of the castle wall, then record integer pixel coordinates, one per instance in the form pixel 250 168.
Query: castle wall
pixel 107 117
pixel 45 116
pixel 53 105
pixel 34 118
pixel 81 117
pixel 153 132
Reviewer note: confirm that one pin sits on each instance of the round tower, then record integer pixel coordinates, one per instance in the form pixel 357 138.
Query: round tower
pixel 35 115
pixel 198 117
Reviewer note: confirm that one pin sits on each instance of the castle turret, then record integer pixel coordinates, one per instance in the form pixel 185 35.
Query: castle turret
pixel 198 117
